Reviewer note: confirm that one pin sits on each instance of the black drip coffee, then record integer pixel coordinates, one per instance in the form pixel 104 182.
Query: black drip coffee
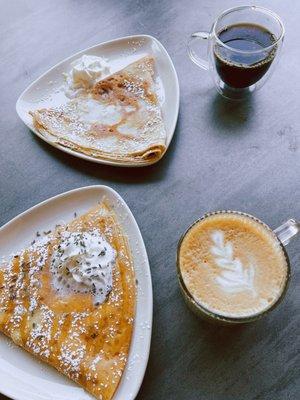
pixel 243 69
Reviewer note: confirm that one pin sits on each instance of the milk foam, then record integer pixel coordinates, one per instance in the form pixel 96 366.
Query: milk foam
pixel 232 265
pixel 234 277
pixel 83 263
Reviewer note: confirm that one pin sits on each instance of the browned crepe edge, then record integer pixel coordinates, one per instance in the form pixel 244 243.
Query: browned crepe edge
pixel 150 155
pixel 125 241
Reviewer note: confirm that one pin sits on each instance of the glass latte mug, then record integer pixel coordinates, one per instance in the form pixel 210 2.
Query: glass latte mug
pixel 243 47
pixel 232 268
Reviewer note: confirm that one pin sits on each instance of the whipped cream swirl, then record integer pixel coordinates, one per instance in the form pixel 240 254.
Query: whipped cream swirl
pixel 85 72
pixel 83 262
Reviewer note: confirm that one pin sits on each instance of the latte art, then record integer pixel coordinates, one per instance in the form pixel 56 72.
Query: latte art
pixel 232 265
pixel 234 277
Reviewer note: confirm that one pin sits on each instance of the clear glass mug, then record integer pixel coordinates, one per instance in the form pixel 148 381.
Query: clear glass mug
pixel 283 234
pixel 237 73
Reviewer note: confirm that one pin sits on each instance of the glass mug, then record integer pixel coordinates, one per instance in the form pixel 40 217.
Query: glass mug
pixel 243 47
pixel 282 236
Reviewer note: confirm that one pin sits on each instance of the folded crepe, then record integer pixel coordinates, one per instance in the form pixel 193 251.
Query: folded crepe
pixel 54 304
pixel 119 119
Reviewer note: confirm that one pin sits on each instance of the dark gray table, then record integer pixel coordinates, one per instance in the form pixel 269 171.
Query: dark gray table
pixel 236 156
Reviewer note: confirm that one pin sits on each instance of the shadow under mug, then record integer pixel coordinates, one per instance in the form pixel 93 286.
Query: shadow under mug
pixel 283 234
pixel 236 72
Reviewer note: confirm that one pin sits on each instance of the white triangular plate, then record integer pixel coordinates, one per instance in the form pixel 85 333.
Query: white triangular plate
pixel 22 377
pixel 46 90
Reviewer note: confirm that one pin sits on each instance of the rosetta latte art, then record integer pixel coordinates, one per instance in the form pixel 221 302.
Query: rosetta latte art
pixel 234 277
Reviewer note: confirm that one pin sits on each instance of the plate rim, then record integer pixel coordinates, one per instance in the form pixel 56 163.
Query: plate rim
pixel 90 158
pixel 139 382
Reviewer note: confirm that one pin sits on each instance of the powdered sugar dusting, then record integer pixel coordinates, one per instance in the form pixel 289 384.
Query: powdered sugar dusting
pixel 81 343
pixel 84 123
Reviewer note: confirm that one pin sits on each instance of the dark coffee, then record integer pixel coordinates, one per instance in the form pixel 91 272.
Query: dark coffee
pixel 240 70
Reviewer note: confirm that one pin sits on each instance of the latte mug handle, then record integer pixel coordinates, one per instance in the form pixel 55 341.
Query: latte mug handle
pixel 286 231
pixel 195 37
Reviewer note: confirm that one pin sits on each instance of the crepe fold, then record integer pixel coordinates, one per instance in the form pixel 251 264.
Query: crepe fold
pixel 119 119
pixel 86 342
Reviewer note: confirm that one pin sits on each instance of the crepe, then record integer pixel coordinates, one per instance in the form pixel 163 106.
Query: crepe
pixel 84 340
pixel 119 119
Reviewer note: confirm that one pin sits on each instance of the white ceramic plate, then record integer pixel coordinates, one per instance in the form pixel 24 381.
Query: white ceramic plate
pixel 47 91
pixel 22 377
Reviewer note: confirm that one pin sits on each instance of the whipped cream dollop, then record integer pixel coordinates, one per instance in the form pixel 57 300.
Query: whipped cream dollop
pixel 83 262
pixel 84 73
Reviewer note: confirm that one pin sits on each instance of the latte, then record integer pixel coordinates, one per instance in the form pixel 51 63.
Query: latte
pixel 232 265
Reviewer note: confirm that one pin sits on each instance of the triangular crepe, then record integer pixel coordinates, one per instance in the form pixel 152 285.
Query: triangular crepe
pixel 119 119
pixel 59 323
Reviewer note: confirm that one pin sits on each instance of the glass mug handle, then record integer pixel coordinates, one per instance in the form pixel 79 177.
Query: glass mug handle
pixel 286 231
pixel 192 54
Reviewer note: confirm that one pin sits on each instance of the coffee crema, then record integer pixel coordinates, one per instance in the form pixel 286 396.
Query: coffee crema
pixel 232 265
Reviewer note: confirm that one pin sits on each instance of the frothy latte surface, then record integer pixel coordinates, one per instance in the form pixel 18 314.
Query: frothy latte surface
pixel 232 265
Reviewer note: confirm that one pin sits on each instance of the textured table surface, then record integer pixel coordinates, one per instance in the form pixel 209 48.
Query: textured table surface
pixel 223 156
